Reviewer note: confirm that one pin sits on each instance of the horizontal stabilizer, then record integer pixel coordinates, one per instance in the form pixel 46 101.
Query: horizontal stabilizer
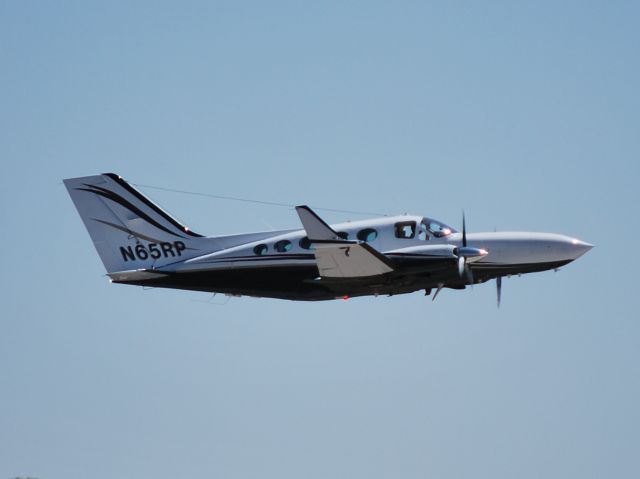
pixel 135 275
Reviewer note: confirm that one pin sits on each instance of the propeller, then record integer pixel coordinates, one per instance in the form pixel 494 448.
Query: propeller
pixel 499 288
pixel 464 231
pixel 440 286
pixel 465 252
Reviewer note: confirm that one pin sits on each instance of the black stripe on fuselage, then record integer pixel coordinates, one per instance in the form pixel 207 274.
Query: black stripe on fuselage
pixel 487 265
pixel 263 259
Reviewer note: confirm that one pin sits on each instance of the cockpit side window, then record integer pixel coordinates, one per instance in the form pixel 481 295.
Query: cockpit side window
pixel 405 229
pixel 436 228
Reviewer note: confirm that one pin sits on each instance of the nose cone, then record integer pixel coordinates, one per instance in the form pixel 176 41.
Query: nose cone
pixel 578 248
pixel 520 247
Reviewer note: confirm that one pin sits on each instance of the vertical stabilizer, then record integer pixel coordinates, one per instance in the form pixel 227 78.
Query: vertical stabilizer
pixel 128 230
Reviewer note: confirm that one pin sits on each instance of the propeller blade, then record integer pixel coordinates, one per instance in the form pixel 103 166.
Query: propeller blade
pixel 440 286
pixel 469 274
pixel 464 231
pixel 499 288
pixel 461 265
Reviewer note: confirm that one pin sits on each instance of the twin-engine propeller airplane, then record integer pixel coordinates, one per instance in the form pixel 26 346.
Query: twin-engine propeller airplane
pixel 142 245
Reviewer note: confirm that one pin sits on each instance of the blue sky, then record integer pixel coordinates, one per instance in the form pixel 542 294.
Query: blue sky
pixel 525 114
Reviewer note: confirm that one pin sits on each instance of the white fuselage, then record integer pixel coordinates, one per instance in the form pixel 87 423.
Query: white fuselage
pixel 504 248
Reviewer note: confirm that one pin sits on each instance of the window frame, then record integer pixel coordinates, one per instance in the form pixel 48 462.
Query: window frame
pixel 305 243
pixel 285 242
pixel 363 234
pixel 262 247
pixel 399 227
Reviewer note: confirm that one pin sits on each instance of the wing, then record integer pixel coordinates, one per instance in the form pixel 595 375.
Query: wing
pixel 338 258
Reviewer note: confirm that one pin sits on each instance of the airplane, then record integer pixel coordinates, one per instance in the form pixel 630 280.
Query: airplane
pixel 140 244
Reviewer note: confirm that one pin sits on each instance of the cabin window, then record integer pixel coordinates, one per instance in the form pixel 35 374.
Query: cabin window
pixel 283 246
pixel 260 249
pixel 305 243
pixel 343 234
pixel 367 235
pixel 405 229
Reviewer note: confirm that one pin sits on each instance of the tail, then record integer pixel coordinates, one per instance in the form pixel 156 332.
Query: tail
pixel 128 230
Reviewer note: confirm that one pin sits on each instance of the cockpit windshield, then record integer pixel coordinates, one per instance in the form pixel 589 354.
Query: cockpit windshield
pixel 436 228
